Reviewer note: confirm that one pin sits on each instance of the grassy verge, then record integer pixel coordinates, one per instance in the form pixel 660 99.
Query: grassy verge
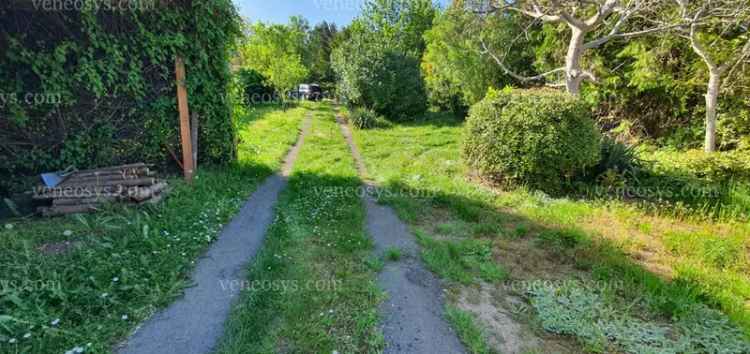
pixel 471 334
pixel 87 281
pixel 671 266
pixel 310 289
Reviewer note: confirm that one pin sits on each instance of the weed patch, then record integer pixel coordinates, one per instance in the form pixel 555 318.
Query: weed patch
pixel 463 261
pixel 602 325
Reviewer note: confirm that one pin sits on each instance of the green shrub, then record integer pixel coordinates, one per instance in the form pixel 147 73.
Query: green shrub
pixel 387 81
pixel 714 167
pixel 397 91
pixel 619 157
pixel 363 118
pixel 254 85
pixel 536 137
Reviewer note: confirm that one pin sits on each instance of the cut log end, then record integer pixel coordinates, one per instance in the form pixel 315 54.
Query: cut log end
pixel 86 191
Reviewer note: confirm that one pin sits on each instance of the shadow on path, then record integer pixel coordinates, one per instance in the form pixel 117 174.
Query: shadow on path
pixel 195 322
pixel 413 314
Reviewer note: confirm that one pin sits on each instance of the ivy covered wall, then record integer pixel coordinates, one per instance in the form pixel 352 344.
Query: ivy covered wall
pixel 91 82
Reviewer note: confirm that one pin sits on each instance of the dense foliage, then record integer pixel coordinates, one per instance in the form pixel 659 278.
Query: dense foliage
pixel 96 87
pixel 588 314
pixel 538 137
pixel 275 51
pixel 455 73
pixel 648 88
pixel 377 62
pixel 320 41
pixel 363 118
pixel 254 86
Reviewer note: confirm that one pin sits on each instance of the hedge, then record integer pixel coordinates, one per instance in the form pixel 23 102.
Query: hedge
pixel 94 85
pixel 541 138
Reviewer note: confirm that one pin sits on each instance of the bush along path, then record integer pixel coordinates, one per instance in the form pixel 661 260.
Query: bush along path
pixel 194 323
pixel 413 314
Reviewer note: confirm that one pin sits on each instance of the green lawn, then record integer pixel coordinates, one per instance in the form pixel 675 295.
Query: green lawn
pixel 658 264
pixel 310 289
pixel 653 278
pixel 120 265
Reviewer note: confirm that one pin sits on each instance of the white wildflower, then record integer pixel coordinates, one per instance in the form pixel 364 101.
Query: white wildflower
pixel 27 336
pixel 67 233
pixel 12 340
pixel 115 279
pixel 9 226
pixel 55 322
pixel 124 317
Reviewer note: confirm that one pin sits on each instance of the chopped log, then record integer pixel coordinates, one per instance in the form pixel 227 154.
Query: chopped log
pixel 140 171
pixel 98 180
pixel 68 209
pixel 116 168
pixel 142 193
pixel 95 200
pixel 156 199
pixel 86 191
pixel 123 182
pixel 77 192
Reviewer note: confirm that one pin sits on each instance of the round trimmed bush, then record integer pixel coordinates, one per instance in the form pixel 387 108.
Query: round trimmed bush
pixel 536 137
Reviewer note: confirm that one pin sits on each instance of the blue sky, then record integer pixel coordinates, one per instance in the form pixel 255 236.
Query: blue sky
pixel 339 11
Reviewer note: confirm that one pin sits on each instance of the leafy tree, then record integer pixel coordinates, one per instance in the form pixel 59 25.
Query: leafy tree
pixel 456 74
pixel 718 34
pixel 275 52
pixel 377 61
pixel 399 24
pixel 253 85
pixel 604 20
pixel 320 45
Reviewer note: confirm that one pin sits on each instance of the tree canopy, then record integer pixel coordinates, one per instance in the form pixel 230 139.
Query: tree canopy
pixel 275 51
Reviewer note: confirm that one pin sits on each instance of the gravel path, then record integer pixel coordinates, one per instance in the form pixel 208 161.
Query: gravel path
pixel 412 316
pixel 195 323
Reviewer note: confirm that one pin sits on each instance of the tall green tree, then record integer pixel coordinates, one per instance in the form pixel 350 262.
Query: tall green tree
pixel 275 51
pixel 320 45
pixel 457 75
pixel 718 33
pixel 588 25
pixel 399 24
pixel 377 61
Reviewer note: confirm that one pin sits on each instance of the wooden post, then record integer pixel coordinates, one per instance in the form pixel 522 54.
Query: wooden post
pixel 185 132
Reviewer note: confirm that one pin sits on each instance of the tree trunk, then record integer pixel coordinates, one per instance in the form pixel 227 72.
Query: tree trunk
pixel 573 76
pixel 712 98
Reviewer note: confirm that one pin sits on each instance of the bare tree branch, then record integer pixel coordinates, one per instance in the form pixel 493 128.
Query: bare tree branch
pixel 744 55
pixel 513 74
pixel 601 13
pixel 601 40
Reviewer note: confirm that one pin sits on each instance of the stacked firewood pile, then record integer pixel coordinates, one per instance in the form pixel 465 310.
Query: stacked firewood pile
pixel 86 191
